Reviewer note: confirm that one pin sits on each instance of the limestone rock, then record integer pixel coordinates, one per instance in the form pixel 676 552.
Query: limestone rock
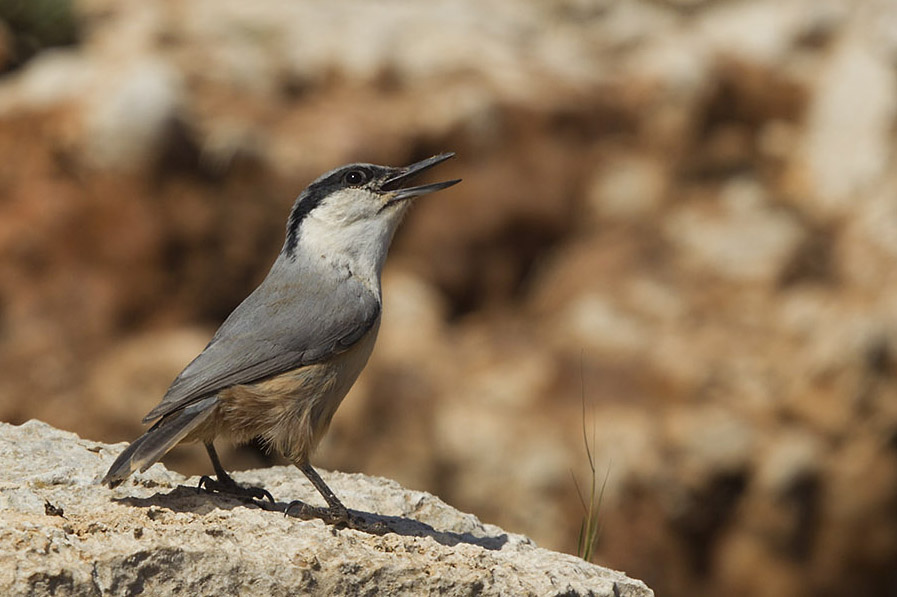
pixel 847 140
pixel 742 238
pixel 62 533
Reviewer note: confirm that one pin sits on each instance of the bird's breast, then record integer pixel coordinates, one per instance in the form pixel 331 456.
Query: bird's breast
pixel 291 411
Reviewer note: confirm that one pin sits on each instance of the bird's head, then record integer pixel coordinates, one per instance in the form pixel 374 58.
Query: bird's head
pixel 356 204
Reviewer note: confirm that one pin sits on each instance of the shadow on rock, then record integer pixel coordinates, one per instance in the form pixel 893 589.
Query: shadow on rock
pixel 189 499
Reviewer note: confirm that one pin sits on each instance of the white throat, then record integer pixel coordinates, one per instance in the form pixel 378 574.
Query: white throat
pixel 356 248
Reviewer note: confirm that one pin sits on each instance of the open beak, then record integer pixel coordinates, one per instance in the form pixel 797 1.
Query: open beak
pixel 400 192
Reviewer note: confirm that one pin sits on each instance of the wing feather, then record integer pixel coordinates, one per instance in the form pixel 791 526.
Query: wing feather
pixel 279 327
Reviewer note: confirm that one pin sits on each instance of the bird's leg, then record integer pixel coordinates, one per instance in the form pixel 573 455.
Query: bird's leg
pixel 336 513
pixel 225 484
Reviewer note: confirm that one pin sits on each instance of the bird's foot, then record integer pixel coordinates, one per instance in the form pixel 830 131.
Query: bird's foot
pixel 228 486
pixel 336 515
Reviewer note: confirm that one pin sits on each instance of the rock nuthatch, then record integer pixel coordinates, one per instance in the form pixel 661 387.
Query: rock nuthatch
pixel 281 363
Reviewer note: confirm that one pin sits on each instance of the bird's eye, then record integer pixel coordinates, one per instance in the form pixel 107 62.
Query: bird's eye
pixel 356 177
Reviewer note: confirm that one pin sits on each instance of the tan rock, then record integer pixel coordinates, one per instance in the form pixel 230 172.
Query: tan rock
pixel 62 532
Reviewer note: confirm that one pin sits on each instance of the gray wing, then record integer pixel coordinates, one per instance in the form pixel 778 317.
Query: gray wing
pixel 279 327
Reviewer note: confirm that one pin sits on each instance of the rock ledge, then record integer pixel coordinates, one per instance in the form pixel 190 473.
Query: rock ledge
pixel 156 535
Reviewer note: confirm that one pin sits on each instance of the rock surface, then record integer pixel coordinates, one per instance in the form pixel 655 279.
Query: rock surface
pixel 63 534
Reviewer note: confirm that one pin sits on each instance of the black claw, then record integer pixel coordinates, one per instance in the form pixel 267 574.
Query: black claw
pixel 292 505
pixel 231 488
pixel 202 482
pixel 260 493
pixel 226 485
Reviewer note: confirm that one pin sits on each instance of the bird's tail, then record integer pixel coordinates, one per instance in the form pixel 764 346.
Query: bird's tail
pixel 161 437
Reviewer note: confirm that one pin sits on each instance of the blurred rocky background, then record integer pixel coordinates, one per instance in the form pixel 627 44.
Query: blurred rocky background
pixel 677 231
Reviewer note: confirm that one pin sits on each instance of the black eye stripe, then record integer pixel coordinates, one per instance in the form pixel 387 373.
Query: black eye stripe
pixel 317 191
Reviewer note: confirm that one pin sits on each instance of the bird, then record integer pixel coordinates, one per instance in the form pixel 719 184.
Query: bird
pixel 279 366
